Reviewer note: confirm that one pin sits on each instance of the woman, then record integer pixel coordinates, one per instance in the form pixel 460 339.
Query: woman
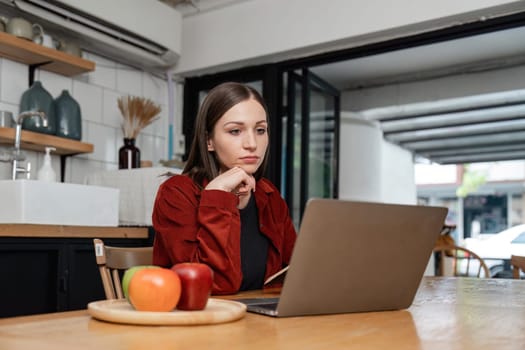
pixel 221 211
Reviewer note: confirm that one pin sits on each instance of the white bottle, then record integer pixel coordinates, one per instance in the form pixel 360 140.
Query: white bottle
pixel 46 172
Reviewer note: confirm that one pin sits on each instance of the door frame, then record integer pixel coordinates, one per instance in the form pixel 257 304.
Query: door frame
pixel 308 81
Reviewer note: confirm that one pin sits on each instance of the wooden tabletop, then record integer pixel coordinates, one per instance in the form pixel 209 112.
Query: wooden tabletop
pixel 61 231
pixel 448 313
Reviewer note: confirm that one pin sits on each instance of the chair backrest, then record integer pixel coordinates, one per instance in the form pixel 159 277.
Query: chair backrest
pixel 112 260
pixel 518 264
pixel 464 262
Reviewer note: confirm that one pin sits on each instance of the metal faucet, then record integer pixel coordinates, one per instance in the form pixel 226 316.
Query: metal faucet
pixel 17 155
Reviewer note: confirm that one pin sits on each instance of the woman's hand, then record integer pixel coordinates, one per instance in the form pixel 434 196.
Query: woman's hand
pixel 235 180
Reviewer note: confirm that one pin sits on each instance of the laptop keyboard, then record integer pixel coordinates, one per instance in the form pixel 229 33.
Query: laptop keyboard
pixel 259 301
pixel 265 306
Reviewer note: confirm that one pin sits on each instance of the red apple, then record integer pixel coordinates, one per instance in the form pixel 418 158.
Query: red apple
pixel 196 283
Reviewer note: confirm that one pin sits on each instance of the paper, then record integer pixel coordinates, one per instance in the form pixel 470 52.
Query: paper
pixel 277 277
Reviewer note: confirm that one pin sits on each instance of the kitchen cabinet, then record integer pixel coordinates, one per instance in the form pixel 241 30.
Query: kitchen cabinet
pixel 55 270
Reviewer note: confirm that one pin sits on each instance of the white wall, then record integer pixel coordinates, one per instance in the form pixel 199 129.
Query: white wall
pixel 260 31
pixel 372 169
pixel 398 182
pixel 97 94
pixel 360 155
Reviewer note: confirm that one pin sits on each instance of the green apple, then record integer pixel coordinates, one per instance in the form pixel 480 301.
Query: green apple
pixel 127 277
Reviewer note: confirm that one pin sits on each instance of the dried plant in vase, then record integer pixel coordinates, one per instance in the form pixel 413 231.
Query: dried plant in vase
pixel 137 113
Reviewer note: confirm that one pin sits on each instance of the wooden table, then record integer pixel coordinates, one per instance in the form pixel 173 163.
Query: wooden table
pixel 448 313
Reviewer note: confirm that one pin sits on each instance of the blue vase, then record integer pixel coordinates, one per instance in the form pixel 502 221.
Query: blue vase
pixel 36 98
pixel 68 116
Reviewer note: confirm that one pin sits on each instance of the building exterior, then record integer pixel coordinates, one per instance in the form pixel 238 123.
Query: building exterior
pixel 481 197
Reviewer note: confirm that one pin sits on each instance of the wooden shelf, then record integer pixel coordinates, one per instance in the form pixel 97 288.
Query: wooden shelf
pixel 37 142
pixel 30 53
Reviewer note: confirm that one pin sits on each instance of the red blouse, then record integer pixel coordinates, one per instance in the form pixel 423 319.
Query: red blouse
pixel 204 226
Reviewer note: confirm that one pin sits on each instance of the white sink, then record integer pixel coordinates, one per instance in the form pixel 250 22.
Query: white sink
pixel 38 202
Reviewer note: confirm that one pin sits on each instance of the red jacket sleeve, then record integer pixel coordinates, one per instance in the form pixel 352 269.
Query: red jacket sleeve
pixel 198 226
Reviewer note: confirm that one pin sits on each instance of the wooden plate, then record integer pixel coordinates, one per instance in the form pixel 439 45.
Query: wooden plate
pixel 121 311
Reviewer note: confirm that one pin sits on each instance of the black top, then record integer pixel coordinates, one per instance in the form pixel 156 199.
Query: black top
pixel 254 248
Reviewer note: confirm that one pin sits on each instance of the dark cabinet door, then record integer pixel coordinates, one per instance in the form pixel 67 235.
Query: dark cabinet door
pixel 31 278
pixel 42 275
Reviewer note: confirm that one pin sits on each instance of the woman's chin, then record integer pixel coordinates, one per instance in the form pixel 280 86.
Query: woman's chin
pixel 248 168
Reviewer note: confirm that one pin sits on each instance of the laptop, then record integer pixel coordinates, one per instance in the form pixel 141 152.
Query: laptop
pixel 355 257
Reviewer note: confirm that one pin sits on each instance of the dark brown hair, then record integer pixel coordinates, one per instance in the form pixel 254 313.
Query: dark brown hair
pixel 201 163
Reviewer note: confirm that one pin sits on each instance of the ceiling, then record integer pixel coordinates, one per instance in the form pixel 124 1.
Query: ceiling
pixel 476 53
pixel 489 127
pixel 449 131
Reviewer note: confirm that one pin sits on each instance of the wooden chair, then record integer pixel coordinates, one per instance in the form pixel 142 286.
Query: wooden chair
pixel 112 260
pixel 464 262
pixel 518 264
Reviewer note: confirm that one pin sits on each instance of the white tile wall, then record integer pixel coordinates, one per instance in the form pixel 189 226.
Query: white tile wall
pixel 110 112
pixel 5 171
pixel 152 148
pixel 89 98
pixel 129 80
pixel 105 139
pixel 155 89
pixel 11 107
pixel 54 83
pixel 97 94
pixel 78 169
pixel 14 80
pixel 105 75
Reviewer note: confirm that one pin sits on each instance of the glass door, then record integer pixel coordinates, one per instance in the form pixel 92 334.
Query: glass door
pixel 310 141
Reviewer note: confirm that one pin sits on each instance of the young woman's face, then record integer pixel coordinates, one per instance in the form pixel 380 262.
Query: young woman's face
pixel 240 137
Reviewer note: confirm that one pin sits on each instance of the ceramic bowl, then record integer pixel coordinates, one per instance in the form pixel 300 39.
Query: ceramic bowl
pixel 20 27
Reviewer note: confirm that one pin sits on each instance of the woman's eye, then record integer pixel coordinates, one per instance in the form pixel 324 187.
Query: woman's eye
pixel 235 131
pixel 261 131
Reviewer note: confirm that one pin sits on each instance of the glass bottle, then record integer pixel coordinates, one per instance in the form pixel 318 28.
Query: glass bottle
pixel 128 155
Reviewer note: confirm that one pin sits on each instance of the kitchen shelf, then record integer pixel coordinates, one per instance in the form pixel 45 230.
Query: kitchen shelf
pixel 37 142
pixel 35 55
